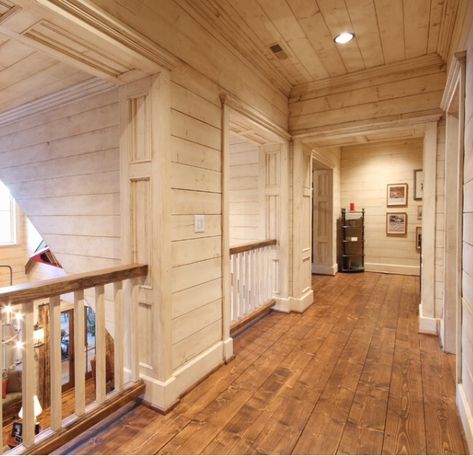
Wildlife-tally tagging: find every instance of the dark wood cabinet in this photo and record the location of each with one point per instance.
(352, 241)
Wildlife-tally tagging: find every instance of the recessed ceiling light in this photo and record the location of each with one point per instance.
(344, 37)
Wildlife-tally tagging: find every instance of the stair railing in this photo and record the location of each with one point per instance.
(252, 280)
(124, 282)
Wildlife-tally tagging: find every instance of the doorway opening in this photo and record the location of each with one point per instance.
(255, 219)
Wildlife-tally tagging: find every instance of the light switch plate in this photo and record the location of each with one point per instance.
(199, 223)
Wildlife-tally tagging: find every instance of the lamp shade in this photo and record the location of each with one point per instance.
(37, 408)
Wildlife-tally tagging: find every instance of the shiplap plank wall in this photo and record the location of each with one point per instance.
(197, 46)
(62, 168)
(390, 97)
(365, 172)
(467, 276)
(196, 189)
(246, 192)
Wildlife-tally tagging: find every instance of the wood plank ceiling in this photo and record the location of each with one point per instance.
(27, 74)
(386, 31)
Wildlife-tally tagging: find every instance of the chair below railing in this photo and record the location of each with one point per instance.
(252, 278)
(124, 282)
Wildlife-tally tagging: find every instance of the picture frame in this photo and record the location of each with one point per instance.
(17, 431)
(419, 212)
(418, 238)
(396, 223)
(397, 195)
(418, 184)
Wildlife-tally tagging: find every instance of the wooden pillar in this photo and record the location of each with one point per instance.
(302, 293)
(145, 226)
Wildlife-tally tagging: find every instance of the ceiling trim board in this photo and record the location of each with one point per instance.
(366, 127)
(108, 28)
(254, 116)
(452, 79)
(84, 89)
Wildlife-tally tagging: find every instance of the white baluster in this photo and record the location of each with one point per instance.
(268, 275)
(28, 376)
(254, 281)
(119, 331)
(257, 278)
(242, 287)
(134, 348)
(232, 278)
(248, 282)
(55, 361)
(236, 288)
(79, 352)
(100, 345)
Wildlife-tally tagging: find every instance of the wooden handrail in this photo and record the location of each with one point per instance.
(54, 287)
(253, 246)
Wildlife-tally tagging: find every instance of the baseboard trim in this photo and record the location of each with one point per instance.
(427, 325)
(392, 269)
(466, 416)
(299, 305)
(441, 333)
(163, 395)
(228, 349)
(324, 269)
(282, 305)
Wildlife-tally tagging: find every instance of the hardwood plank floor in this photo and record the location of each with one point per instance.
(351, 376)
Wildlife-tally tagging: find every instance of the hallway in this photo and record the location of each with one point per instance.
(350, 375)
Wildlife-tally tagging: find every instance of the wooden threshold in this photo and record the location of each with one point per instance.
(238, 326)
(74, 426)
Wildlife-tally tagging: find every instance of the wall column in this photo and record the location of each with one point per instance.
(145, 224)
(302, 294)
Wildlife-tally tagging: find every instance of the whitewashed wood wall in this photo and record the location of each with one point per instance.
(246, 192)
(196, 190)
(62, 168)
(466, 401)
(324, 105)
(212, 58)
(440, 222)
(365, 172)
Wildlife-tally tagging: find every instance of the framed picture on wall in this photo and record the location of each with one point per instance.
(397, 195)
(419, 212)
(396, 223)
(418, 238)
(418, 184)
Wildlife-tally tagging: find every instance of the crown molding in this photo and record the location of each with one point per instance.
(254, 116)
(433, 61)
(105, 26)
(7, 10)
(366, 127)
(453, 77)
(84, 89)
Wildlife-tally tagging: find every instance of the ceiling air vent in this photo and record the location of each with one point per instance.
(278, 51)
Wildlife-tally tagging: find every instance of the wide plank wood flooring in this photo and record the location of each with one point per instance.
(350, 375)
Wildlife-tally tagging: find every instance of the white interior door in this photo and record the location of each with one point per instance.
(322, 222)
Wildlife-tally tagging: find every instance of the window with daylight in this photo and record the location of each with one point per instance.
(7, 217)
